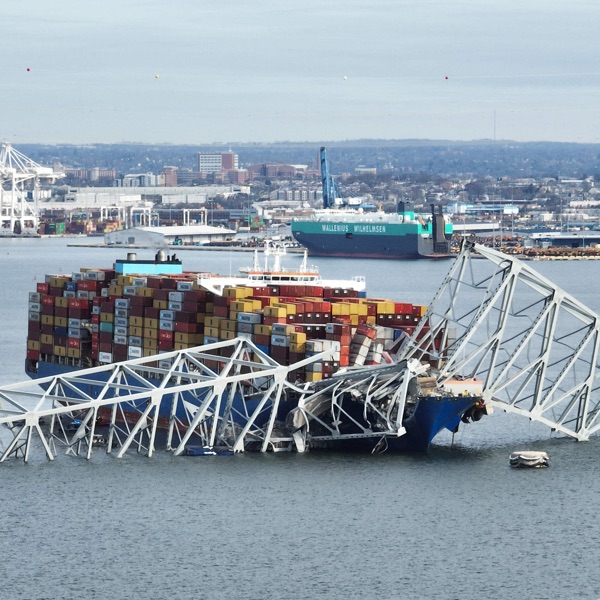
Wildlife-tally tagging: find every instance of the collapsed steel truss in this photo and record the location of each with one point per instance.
(226, 393)
(534, 346)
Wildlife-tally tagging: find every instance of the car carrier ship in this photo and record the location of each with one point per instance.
(145, 308)
(337, 230)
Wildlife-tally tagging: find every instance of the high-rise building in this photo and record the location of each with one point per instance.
(215, 162)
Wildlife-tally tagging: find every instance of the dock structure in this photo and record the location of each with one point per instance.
(535, 347)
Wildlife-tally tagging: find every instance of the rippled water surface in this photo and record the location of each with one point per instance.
(456, 523)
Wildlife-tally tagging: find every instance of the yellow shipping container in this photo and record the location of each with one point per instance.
(227, 335)
(229, 325)
(313, 376)
(193, 339)
(213, 321)
(212, 331)
(201, 318)
(298, 347)
(106, 317)
(35, 345)
(150, 333)
(151, 323)
(115, 290)
(297, 337)
(136, 321)
(260, 329)
(124, 280)
(60, 351)
(181, 345)
(275, 312)
(62, 302)
(61, 322)
(160, 304)
(241, 306)
(290, 309)
(47, 320)
(47, 338)
(136, 331)
(149, 352)
(237, 292)
(371, 320)
(74, 352)
(340, 309)
(150, 344)
(146, 292)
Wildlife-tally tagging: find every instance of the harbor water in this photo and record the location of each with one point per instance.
(455, 523)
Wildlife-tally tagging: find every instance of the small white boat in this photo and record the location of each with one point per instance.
(530, 459)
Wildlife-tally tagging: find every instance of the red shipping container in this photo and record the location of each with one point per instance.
(165, 335)
(47, 329)
(33, 354)
(136, 311)
(165, 345)
(42, 288)
(73, 343)
(193, 295)
(184, 327)
(46, 348)
(34, 328)
(150, 312)
(48, 301)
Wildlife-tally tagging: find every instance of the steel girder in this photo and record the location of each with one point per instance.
(221, 394)
(534, 346)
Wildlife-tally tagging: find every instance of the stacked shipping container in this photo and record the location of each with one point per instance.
(99, 316)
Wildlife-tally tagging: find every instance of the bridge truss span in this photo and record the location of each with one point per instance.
(225, 394)
(533, 345)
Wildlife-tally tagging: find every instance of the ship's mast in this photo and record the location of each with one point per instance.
(17, 214)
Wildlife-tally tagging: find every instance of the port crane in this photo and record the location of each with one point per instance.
(18, 215)
(330, 190)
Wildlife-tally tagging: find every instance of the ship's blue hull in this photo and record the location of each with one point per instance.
(430, 416)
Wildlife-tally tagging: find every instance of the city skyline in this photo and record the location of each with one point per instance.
(194, 72)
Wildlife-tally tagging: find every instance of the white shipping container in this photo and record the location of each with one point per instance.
(120, 330)
(121, 302)
(175, 306)
(121, 322)
(130, 290)
(35, 307)
(135, 340)
(246, 317)
(280, 340)
(105, 357)
(167, 315)
(134, 352)
(166, 325)
(35, 297)
(175, 297)
(120, 339)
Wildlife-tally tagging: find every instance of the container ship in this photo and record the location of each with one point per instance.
(342, 231)
(142, 308)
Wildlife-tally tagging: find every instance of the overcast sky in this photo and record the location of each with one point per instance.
(194, 71)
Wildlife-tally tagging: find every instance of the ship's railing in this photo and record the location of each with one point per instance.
(534, 345)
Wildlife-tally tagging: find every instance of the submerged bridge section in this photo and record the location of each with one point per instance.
(534, 346)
